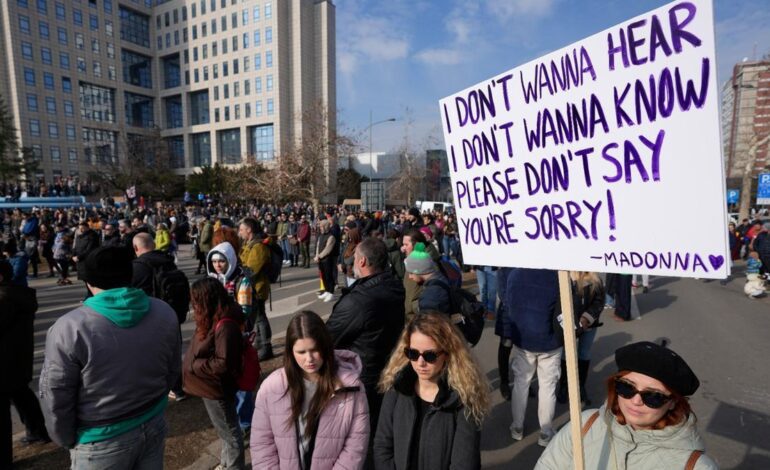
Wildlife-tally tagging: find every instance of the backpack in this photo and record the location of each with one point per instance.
(273, 268)
(171, 285)
(250, 368)
(468, 313)
(452, 271)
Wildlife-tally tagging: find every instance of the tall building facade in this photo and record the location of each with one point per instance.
(217, 80)
(746, 118)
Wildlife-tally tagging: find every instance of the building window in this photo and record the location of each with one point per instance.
(245, 40)
(64, 60)
(108, 6)
(258, 108)
(26, 50)
(216, 92)
(134, 27)
(77, 17)
(111, 73)
(97, 103)
(60, 12)
(82, 65)
(50, 105)
(69, 108)
(257, 39)
(257, 61)
(168, 40)
(66, 84)
(268, 10)
(108, 28)
(71, 136)
(229, 146)
(95, 47)
(55, 154)
(62, 35)
(216, 114)
(80, 43)
(110, 50)
(269, 83)
(245, 16)
(194, 11)
(42, 7)
(48, 81)
(247, 110)
(176, 151)
(199, 107)
(269, 59)
(93, 22)
(53, 130)
(139, 110)
(176, 37)
(173, 105)
(256, 13)
(268, 35)
(205, 72)
(171, 71)
(247, 87)
(45, 31)
(201, 149)
(246, 63)
(234, 20)
(24, 24)
(261, 142)
(32, 102)
(136, 68)
(99, 145)
(226, 91)
(45, 56)
(270, 107)
(235, 66)
(225, 69)
(97, 69)
(258, 85)
(72, 155)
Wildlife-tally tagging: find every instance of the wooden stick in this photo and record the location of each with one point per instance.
(570, 353)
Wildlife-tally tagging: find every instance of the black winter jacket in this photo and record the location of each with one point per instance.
(368, 320)
(84, 244)
(448, 439)
(144, 269)
(18, 305)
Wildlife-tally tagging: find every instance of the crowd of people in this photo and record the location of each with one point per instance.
(60, 187)
(388, 381)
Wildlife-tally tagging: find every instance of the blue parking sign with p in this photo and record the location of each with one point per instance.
(733, 196)
(763, 189)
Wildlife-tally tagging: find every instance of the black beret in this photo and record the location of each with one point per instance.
(659, 363)
(108, 267)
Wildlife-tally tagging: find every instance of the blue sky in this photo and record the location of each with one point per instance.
(394, 55)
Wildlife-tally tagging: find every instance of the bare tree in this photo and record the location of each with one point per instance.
(411, 181)
(755, 142)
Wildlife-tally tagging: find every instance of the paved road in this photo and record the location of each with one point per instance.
(722, 334)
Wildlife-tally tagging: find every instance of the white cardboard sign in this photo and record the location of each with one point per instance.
(602, 156)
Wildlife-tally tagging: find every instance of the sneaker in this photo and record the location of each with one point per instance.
(329, 297)
(177, 396)
(517, 434)
(544, 439)
(321, 294)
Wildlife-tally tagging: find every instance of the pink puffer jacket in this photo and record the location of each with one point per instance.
(343, 430)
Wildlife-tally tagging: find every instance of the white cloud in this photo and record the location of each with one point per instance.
(507, 9)
(439, 56)
(365, 39)
(742, 35)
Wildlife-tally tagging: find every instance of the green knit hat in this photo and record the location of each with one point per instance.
(419, 261)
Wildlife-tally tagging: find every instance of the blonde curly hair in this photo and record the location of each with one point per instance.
(464, 375)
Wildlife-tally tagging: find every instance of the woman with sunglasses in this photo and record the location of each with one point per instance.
(646, 423)
(312, 413)
(435, 400)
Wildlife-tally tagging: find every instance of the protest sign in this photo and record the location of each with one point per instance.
(602, 156)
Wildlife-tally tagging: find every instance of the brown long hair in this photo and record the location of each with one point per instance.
(354, 238)
(308, 325)
(678, 414)
(226, 234)
(210, 302)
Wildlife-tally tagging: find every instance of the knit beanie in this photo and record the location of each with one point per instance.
(419, 261)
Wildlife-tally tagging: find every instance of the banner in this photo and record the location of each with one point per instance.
(602, 156)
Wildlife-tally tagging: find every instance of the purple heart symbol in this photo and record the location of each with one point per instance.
(716, 261)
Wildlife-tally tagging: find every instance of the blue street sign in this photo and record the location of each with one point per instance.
(733, 196)
(763, 189)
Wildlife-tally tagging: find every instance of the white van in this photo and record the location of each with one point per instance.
(430, 206)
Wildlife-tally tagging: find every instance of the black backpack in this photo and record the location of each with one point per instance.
(273, 268)
(470, 309)
(171, 285)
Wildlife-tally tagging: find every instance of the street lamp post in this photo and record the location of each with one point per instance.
(371, 125)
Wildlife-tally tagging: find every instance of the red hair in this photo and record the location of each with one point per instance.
(678, 414)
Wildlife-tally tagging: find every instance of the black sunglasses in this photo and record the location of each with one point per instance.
(651, 399)
(429, 356)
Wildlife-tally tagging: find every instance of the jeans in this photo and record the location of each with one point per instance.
(140, 449)
(584, 344)
(487, 280)
(285, 246)
(548, 367)
(225, 420)
(244, 406)
(450, 246)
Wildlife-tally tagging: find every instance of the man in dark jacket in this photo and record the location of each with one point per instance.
(17, 314)
(110, 236)
(369, 317)
(532, 300)
(147, 261)
(86, 242)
